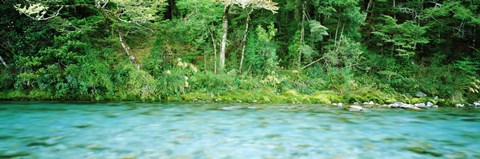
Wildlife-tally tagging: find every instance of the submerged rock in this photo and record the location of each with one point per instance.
(355, 108)
(14, 155)
(231, 108)
(414, 108)
(420, 150)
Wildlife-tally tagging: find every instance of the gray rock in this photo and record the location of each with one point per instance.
(338, 104)
(476, 104)
(355, 108)
(429, 104)
(395, 105)
(434, 106)
(460, 105)
(369, 103)
(406, 106)
(420, 94)
(420, 105)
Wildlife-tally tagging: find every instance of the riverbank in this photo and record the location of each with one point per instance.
(366, 100)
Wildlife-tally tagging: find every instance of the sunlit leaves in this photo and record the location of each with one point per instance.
(37, 11)
(256, 4)
(317, 30)
(137, 11)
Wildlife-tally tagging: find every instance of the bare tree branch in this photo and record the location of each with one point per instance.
(125, 47)
(3, 61)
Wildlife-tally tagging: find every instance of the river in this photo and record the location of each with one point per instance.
(197, 131)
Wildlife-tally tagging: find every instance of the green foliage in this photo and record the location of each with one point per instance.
(317, 31)
(261, 54)
(315, 51)
(401, 39)
(345, 54)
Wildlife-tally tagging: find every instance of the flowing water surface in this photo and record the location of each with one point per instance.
(140, 130)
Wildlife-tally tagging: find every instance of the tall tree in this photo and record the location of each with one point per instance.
(250, 4)
(253, 5)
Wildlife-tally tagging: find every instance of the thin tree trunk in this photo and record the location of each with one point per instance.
(214, 52)
(244, 40)
(249, 68)
(394, 5)
(336, 33)
(205, 61)
(223, 46)
(125, 47)
(369, 6)
(302, 35)
(3, 61)
(297, 10)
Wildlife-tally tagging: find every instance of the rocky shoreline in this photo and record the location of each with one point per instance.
(401, 105)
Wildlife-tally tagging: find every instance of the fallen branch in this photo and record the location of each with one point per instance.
(312, 63)
(125, 47)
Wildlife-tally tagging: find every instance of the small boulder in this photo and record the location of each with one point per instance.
(395, 105)
(369, 103)
(459, 105)
(420, 105)
(429, 104)
(355, 108)
(338, 104)
(476, 104)
(406, 106)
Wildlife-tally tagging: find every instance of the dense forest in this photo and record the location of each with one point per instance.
(280, 51)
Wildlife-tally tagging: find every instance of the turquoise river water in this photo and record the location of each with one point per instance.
(204, 131)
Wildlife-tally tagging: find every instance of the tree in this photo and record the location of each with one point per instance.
(245, 4)
(402, 38)
(253, 5)
(131, 14)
